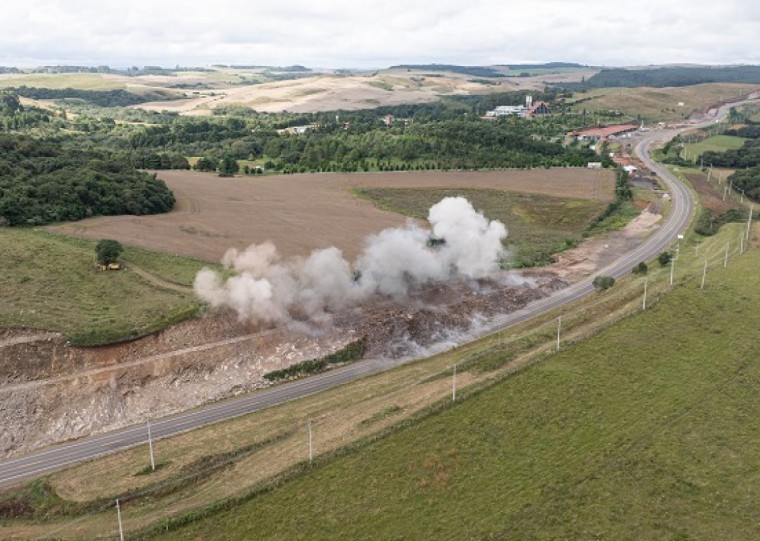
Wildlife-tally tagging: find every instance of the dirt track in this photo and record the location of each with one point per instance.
(300, 213)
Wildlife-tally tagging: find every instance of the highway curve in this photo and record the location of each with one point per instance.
(54, 458)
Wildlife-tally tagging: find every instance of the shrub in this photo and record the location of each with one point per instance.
(603, 282)
(641, 268)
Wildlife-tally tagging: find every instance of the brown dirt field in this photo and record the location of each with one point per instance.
(711, 194)
(300, 213)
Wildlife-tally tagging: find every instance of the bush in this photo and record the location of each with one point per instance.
(603, 282)
(664, 259)
(640, 269)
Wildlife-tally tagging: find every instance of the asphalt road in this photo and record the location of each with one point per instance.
(54, 458)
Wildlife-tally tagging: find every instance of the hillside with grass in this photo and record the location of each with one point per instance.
(645, 431)
(50, 282)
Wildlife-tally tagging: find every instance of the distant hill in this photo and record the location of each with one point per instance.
(478, 71)
(669, 76)
(548, 65)
(487, 71)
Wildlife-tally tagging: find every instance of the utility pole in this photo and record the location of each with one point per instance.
(311, 448)
(454, 385)
(704, 275)
(672, 269)
(725, 191)
(749, 221)
(118, 516)
(559, 328)
(644, 302)
(150, 446)
(725, 259)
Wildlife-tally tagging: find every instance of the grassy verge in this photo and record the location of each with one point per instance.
(644, 431)
(49, 282)
(540, 225)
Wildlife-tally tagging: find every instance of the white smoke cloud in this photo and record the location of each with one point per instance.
(394, 261)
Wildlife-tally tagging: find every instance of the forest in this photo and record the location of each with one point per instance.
(41, 183)
(668, 76)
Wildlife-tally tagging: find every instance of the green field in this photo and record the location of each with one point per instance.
(538, 225)
(716, 143)
(49, 282)
(646, 431)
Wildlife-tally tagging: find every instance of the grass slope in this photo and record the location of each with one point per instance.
(716, 143)
(49, 282)
(658, 104)
(538, 225)
(645, 431)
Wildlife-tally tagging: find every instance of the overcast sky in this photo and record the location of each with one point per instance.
(367, 34)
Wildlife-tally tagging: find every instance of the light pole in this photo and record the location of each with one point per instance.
(150, 447)
(644, 302)
(454, 384)
(704, 275)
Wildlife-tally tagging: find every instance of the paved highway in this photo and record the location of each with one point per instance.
(54, 458)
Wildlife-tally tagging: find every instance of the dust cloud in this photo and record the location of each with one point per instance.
(267, 289)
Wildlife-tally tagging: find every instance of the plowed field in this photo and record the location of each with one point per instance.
(302, 212)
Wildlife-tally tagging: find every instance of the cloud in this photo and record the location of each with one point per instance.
(342, 33)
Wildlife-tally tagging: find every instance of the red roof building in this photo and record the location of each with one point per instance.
(607, 131)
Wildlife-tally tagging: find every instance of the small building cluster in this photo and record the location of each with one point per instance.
(530, 109)
(388, 120)
(298, 130)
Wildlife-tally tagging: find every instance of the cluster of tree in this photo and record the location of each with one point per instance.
(668, 76)
(40, 182)
(749, 131)
(14, 116)
(101, 98)
(708, 224)
(748, 181)
(146, 159)
(227, 166)
(181, 132)
(746, 156)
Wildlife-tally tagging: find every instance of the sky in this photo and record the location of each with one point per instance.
(377, 34)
